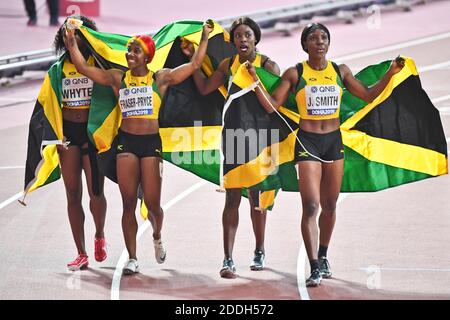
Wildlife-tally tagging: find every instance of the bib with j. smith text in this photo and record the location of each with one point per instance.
(76, 92)
(322, 100)
(136, 101)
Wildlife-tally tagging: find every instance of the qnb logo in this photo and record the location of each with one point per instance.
(327, 89)
(126, 92)
(67, 82)
(138, 90)
(80, 80)
(313, 89)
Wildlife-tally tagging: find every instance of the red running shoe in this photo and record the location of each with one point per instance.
(100, 249)
(80, 263)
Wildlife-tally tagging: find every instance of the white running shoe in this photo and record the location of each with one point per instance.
(131, 267)
(160, 251)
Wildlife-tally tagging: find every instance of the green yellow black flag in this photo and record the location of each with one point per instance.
(396, 139)
(45, 132)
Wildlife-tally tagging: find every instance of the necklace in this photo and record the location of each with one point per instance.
(321, 68)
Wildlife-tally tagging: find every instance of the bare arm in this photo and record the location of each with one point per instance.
(207, 85)
(280, 94)
(104, 77)
(271, 66)
(168, 77)
(368, 94)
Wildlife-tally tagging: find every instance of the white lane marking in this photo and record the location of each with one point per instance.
(444, 111)
(115, 285)
(12, 167)
(407, 269)
(11, 200)
(394, 47)
(440, 99)
(301, 279)
(301, 261)
(435, 66)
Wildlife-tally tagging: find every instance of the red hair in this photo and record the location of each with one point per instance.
(146, 43)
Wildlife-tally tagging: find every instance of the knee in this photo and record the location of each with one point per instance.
(73, 197)
(154, 208)
(96, 200)
(328, 207)
(233, 199)
(129, 205)
(310, 208)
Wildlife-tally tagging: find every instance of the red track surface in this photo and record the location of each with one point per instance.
(400, 234)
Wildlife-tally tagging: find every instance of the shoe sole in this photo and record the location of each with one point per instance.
(161, 261)
(77, 268)
(101, 260)
(227, 274)
(312, 284)
(128, 272)
(256, 268)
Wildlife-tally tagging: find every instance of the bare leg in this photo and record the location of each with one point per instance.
(230, 220)
(329, 192)
(71, 172)
(151, 185)
(97, 204)
(258, 220)
(310, 173)
(128, 179)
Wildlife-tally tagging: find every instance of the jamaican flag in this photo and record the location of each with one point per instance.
(45, 132)
(396, 139)
(188, 122)
(255, 143)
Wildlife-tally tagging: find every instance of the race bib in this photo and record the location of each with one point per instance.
(76, 92)
(136, 101)
(322, 100)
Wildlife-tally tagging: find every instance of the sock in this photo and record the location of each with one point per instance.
(314, 264)
(322, 251)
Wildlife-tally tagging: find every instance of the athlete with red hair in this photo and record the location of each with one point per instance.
(139, 149)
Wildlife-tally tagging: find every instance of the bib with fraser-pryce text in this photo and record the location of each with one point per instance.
(136, 101)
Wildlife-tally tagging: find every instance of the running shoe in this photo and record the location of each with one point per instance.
(258, 260)
(314, 279)
(324, 265)
(131, 267)
(100, 249)
(160, 251)
(228, 270)
(80, 263)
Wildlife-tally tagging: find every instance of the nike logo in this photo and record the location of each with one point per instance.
(329, 78)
